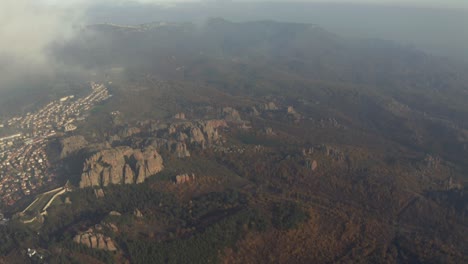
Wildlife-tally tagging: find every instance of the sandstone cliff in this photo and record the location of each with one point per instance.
(121, 165)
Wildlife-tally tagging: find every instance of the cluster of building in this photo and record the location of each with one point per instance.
(59, 114)
(23, 160)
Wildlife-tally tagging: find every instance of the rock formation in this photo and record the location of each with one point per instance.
(180, 149)
(183, 178)
(137, 213)
(179, 116)
(270, 106)
(180, 137)
(99, 193)
(114, 213)
(197, 136)
(71, 144)
(432, 162)
(269, 131)
(314, 165)
(292, 112)
(231, 114)
(328, 123)
(254, 111)
(112, 227)
(452, 185)
(176, 137)
(129, 131)
(95, 240)
(121, 165)
(210, 130)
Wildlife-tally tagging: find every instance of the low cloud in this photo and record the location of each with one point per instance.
(27, 31)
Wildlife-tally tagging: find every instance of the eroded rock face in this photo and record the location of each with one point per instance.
(121, 165)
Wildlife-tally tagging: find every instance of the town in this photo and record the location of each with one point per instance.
(24, 165)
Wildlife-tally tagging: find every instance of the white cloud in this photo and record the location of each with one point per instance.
(27, 29)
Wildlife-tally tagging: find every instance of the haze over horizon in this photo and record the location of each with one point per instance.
(441, 31)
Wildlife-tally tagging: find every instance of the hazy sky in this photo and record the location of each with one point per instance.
(419, 3)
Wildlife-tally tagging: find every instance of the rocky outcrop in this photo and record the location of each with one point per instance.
(114, 213)
(99, 193)
(111, 226)
(293, 113)
(329, 123)
(312, 164)
(129, 131)
(177, 137)
(179, 116)
(210, 129)
(121, 165)
(230, 114)
(95, 240)
(72, 144)
(137, 213)
(269, 131)
(452, 185)
(254, 111)
(180, 137)
(184, 178)
(197, 136)
(328, 151)
(432, 162)
(270, 106)
(180, 150)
